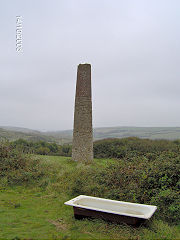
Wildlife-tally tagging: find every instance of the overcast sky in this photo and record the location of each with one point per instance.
(132, 45)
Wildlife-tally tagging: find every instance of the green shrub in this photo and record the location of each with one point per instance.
(17, 167)
(42, 148)
(132, 146)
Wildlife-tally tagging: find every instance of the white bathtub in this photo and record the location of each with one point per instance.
(118, 211)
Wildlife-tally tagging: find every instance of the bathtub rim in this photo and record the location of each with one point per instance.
(151, 208)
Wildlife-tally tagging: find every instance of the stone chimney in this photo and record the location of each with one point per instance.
(82, 148)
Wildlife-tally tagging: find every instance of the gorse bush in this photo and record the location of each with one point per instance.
(17, 167)
(119, 148)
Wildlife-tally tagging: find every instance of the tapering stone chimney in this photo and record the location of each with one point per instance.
(82, 148)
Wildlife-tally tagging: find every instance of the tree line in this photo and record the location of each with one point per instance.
(106, 148)
(42, 148)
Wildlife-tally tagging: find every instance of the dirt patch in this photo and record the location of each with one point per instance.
(58, 224)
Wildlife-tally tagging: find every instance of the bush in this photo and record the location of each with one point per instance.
(42, 148)
(17, 167)
(132, 146)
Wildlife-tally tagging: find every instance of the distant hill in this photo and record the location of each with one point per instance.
(61, 137)
(13, 133)
(170, 133)
(20, 129)
(61, 134)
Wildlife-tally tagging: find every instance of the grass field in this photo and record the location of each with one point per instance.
(38, 212)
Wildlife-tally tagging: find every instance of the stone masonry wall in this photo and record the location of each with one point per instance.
(82, 149)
